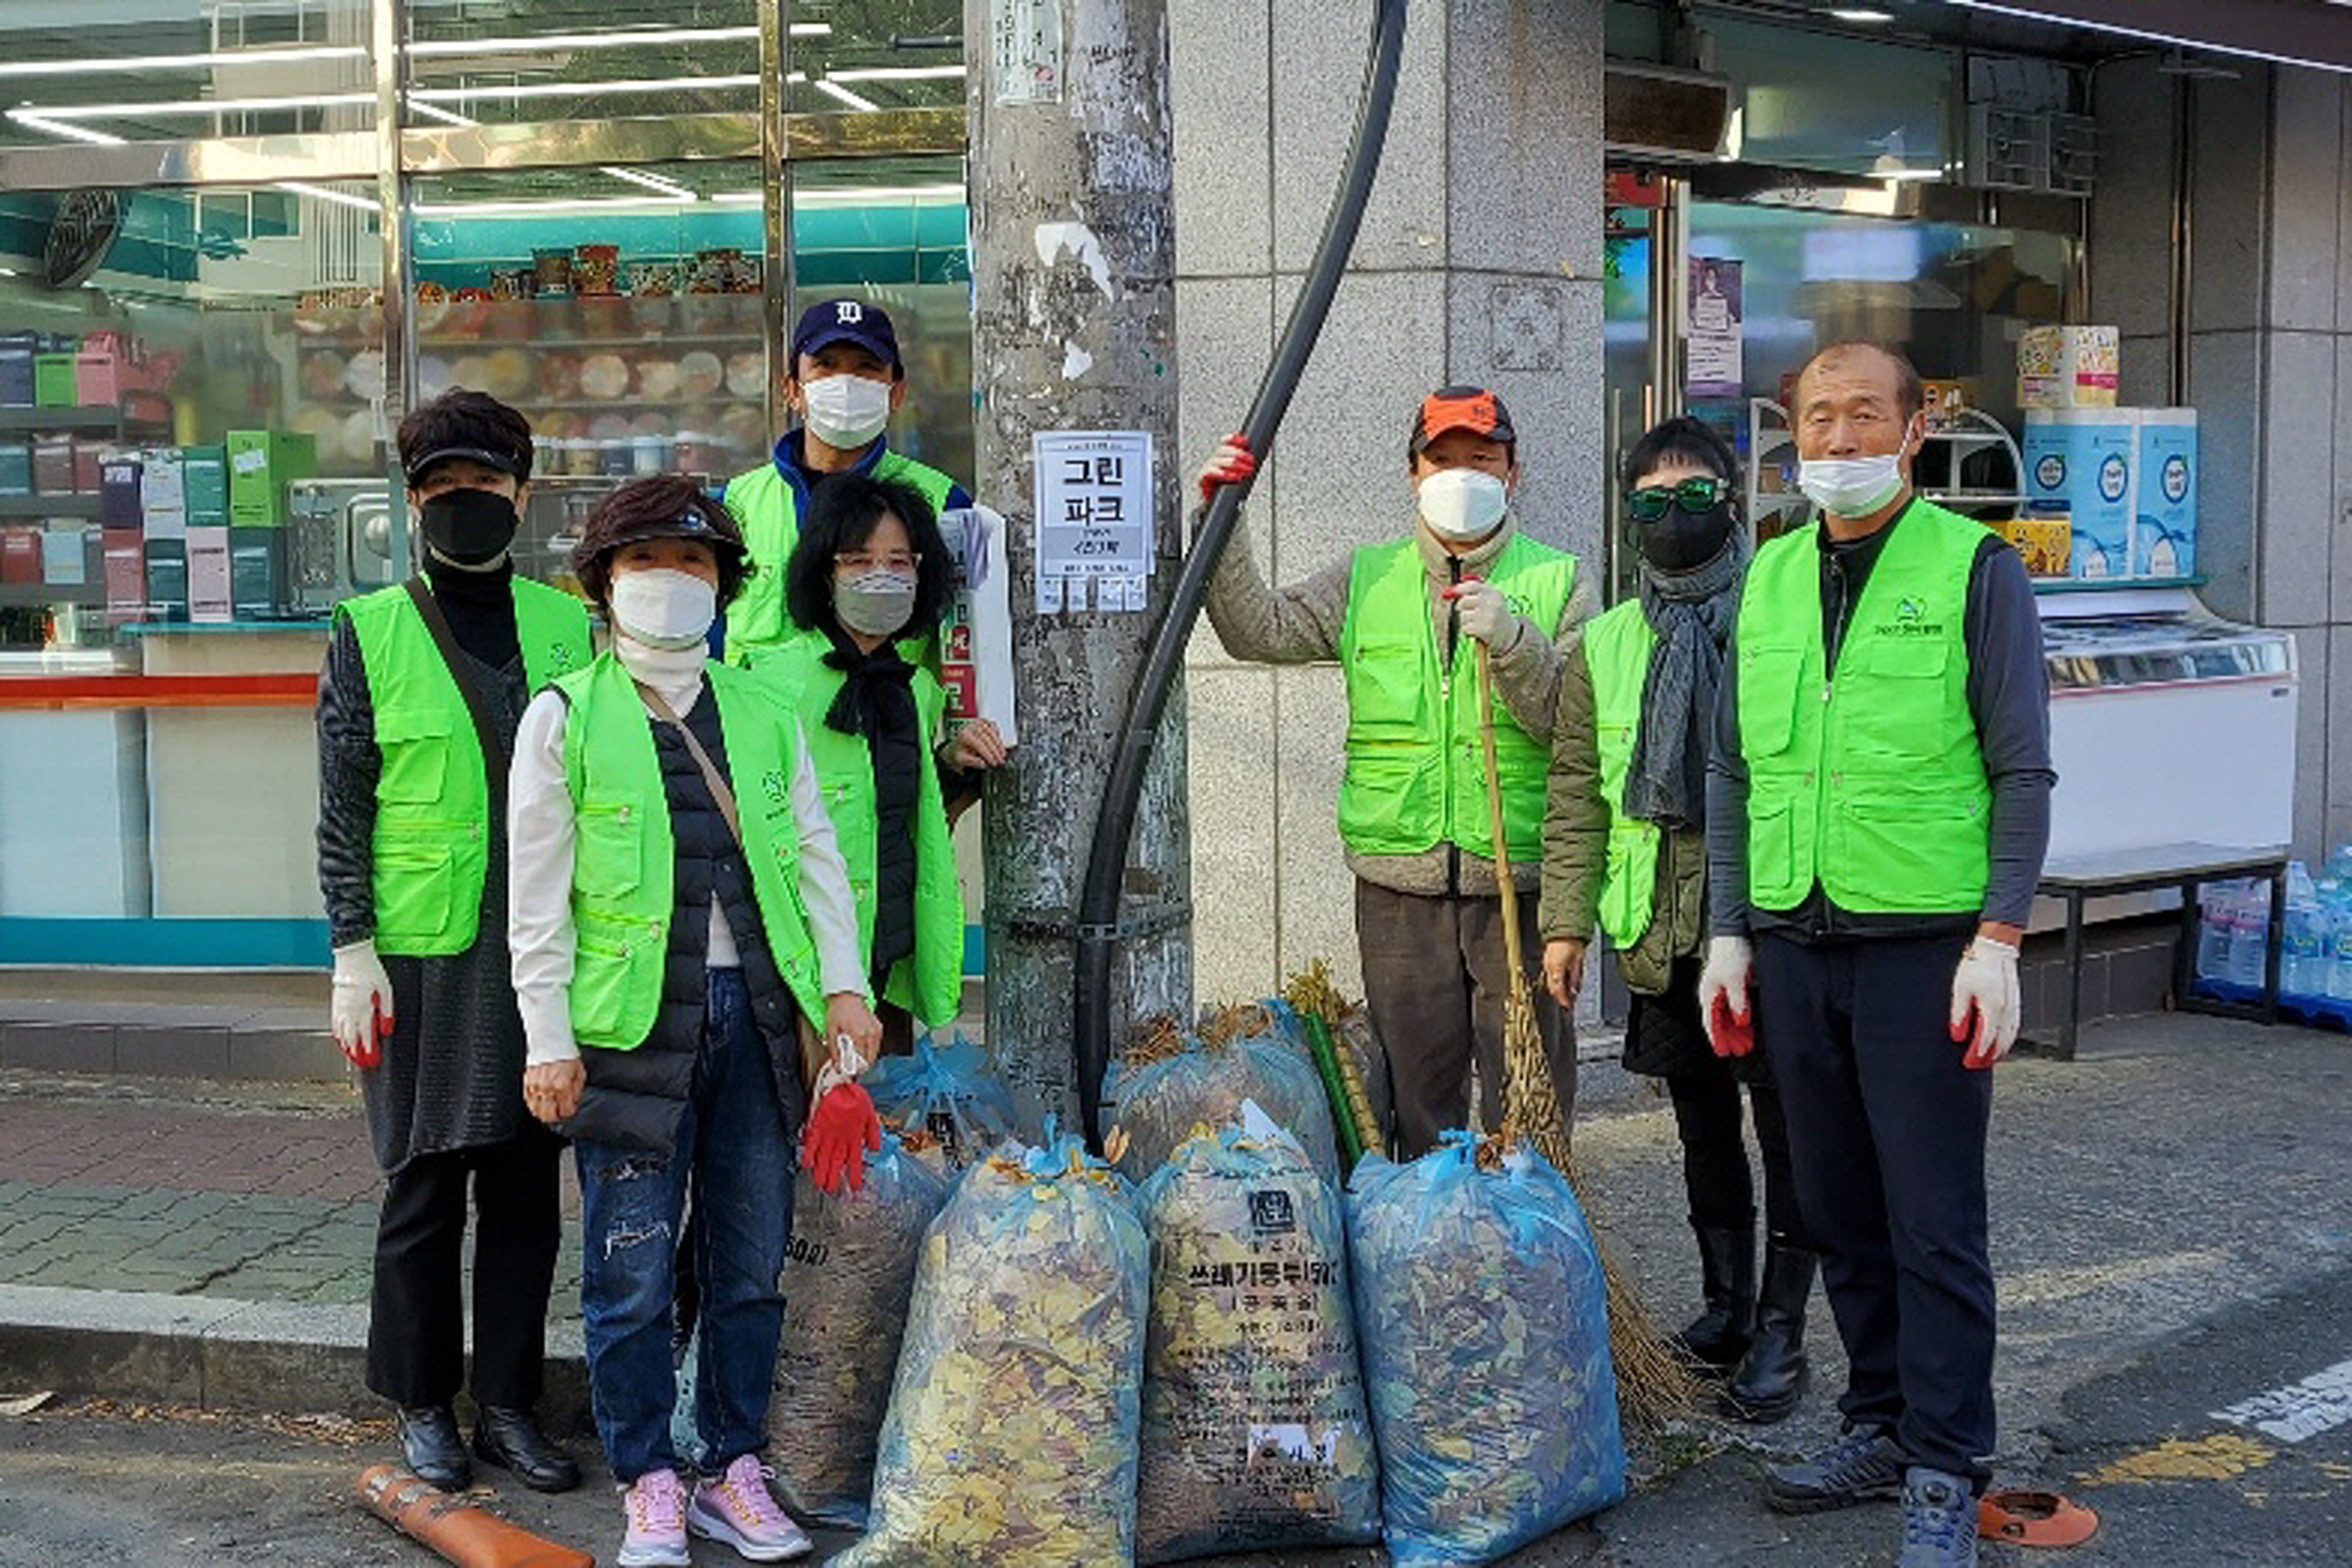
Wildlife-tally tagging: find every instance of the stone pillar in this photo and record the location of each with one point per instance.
(1480, 261)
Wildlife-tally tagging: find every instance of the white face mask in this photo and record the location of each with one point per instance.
(1852, 487)
(661, 607)
(847, 411)
(876, 603)
(1463, 505)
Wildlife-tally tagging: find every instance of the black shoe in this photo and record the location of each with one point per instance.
(512, 1441)
(434, 1451)
(1862, 1466)
(1719, 1337)
(1771, 1377)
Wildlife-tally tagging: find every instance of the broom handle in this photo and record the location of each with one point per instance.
(1504, 881)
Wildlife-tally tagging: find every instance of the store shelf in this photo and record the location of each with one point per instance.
(2112, 585)
(548, 340)
(34, 507)
(1973, 498)
(21, 594)
(89, 416)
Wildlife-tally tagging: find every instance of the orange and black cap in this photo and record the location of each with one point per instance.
(1462, 408)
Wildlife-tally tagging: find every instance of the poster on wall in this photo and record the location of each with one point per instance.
(1714, 366)
(1093, 519)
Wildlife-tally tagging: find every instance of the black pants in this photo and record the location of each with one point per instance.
(416, 1325)
(1434, 979)
(1886, 1128)
(1715, 1174)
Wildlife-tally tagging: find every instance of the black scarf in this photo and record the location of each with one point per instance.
(1692, 612)
(876, 699)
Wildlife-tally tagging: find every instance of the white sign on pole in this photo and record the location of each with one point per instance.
(1093, 516)
(1024, 51)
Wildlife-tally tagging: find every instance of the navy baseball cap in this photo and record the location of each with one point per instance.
(845, 320)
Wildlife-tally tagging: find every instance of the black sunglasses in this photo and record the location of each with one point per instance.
(1648, 504)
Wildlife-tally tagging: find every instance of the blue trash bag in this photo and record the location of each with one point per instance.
(1161, 1102)
(1486, 1333)
(947, 1092)
(1011, 1441)
(847, 1277)
(1255, 1433)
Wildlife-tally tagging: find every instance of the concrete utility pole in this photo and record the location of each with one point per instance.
(1073, 270)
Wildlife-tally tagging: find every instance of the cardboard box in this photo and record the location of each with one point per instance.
(166, 563)
(53, 380)
(65, 556)
(205, 485)
(2081, 459)
(256, 572)
(261, 465)
(163, 494)
(16, 369)
(2067, 367)
(21, 554)
(52, 466)
(16, 466)
(209, 601)
(97, 377)
(123, 564)
(2042, 538)
(119, 493)
(89, 459)
(2164, 509)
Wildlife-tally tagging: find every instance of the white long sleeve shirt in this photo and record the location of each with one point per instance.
(540, 849)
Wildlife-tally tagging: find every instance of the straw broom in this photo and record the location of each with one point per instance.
(1653, 1386)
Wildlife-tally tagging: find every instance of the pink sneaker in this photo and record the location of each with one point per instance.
(739, 1509)
(657, 1537)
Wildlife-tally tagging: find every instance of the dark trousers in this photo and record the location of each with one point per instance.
(1434, 979)
(1715, 1174)
(1886, 1129)
(416, 1320)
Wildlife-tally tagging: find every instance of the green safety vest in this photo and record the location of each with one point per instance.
(625, 861)
(1617, 649)
(1415, 774)
(1868, 779)
(432, 796)
(929, 984)
(769, 511)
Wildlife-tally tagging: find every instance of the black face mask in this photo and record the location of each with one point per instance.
(471, 528)
(1682, 541)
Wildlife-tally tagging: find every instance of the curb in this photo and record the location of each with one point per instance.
(212, 1354)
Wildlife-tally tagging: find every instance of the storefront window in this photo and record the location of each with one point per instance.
(573, 60)
(1851, 106)
(876, 56)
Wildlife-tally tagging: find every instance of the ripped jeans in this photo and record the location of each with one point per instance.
(732, 1143)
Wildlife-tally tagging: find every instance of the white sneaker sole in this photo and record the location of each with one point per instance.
(711, 1526)
(654, 1557)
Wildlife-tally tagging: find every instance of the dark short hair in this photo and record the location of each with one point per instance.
(462, 418)
(650, 508)
(1682, 439)
(1910, 393)
(842, 514)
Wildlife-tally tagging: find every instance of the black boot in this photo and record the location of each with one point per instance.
(1771, 1377)
(1718, 1337)
(512, 1441)
(434, 1451)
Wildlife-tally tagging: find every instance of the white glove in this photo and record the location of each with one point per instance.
(1985, 986)
(1723, 996)
(361, 1013)
(1486, 614)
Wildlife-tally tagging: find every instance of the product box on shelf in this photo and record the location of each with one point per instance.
(17, 350)
(2067, 367)
(52, 466)
(163, 493)
(16, 466)
(89, 463)
(1944, 402)
(166, 562)
(2083, 459)
(119, 493)
(21, 553)
(261, 465)
(209, 601)
(2043, 538)
(97, 376)
(2164, 511)
(122, 556)
(204, 479)
(65, 556)
(53, 380)
(256, 572)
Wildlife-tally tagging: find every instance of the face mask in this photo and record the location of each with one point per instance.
(471, 528)
(1852, 487)
(1682, 541)
(876, 603)
(847, 411)
(1463, 505)
(661, 607)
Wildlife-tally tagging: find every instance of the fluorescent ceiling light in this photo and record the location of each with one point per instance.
(1870, 15)
(834, 89)
(58, 128)
(341, 198)
(230, 57)
(654, 182)
(2069, 19)
(195, 106)
(547, 207)
(576, 89)
(898, 73)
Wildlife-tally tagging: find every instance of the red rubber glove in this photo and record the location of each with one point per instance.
(1734, 1033)
(841, 1133)
(1233, 465)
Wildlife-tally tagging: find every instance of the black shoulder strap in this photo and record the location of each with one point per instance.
(461, 670)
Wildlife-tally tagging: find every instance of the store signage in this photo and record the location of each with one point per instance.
(1024, 51)
(1093, 518)
(1716, 362)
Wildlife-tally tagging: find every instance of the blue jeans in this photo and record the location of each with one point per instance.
(733, 1143)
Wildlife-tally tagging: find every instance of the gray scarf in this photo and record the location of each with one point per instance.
(1690, 612)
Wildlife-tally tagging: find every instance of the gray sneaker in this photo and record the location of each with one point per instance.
(1940, 1521)
(1863, 1466)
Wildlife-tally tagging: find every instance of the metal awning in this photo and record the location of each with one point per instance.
(2308, 32)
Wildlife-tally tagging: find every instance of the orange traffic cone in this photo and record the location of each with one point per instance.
(464, 1532)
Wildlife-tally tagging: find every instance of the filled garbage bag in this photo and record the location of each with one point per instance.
(1160, 1092)
(949, 1091)
(847, 1277)
(1255, 1433)
(1011, 1441)
(1480, 1302)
